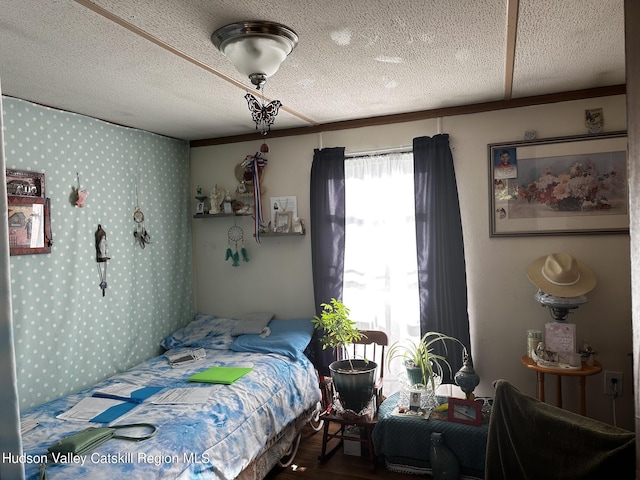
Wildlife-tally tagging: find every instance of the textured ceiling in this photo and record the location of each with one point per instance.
(150, 64)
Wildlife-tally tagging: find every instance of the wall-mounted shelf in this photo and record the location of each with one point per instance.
(280, 234)
(219, 215)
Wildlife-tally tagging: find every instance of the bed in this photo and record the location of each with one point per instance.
(242, 429)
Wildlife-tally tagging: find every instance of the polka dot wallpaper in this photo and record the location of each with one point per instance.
(67, 335)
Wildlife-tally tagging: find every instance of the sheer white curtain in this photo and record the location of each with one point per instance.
(380, 265)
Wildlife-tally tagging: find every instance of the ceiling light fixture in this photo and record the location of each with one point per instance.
(257, 48)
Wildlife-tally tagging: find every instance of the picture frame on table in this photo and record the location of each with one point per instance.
(559, 186)
(464, 411)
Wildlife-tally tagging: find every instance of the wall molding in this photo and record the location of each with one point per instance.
(421, 115)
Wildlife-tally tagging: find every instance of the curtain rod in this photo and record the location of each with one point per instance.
(400, 149)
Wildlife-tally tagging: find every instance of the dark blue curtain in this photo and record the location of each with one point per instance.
(327, 237)
(441, 266)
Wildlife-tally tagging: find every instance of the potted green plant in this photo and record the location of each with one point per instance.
(422, 364)
(353, 378)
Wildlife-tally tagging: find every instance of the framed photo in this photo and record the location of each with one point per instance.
(414, 400)
(199, 208)
(464, 411)
(283, 222)
(24, 183)
(283, 204)
(29, 225)
(559, 186)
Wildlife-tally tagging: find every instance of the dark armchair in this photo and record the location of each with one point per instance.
(531, 440)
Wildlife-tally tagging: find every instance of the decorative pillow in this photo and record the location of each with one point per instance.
(206, 331)
(288, 337)
(252, 323)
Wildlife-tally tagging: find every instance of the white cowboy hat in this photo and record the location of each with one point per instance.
(561, 275)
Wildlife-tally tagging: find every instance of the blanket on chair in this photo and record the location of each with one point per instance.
(531, 440)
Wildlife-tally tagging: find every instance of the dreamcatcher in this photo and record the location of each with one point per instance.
(236, 235)
(263, 114)
(140, 233)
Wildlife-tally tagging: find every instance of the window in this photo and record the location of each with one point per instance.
(380, 266)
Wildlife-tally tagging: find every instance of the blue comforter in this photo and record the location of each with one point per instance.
(215, 440)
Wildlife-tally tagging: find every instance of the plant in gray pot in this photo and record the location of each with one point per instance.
(353, 378)
(422, 364)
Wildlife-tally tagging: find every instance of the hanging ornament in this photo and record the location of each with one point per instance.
(140, 233)
(254, 165)
(236, 235)
(101, 257)
(79, 194)
(263, 115)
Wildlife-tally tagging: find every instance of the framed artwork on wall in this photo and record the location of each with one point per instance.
(29, 226)
(29, 213)
(25, 183)
(559, 186)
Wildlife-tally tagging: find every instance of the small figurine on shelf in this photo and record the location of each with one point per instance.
(298, 225)
(217, 197)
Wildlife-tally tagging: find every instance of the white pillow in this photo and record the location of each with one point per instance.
(252, 323)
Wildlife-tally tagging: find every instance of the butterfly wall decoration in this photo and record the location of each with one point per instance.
(263, 114)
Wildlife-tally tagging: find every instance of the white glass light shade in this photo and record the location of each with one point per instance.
(256, 54)
(256, 48)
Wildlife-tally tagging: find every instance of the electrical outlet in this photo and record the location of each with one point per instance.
(611, 379)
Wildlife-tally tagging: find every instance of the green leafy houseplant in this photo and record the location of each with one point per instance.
(339, 330)
(353, 379)
(419, 354)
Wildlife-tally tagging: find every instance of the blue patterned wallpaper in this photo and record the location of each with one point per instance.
(67, 335)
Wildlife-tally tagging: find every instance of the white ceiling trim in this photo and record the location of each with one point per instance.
(510, 54)
(147, 36)
(151, 65)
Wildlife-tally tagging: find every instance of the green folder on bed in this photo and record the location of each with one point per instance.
(225, 375)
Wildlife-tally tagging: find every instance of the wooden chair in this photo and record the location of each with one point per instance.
(372, 347)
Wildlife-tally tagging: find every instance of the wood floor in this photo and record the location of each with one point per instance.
(338, 467)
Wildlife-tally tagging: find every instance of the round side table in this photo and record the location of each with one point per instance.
(583, 373)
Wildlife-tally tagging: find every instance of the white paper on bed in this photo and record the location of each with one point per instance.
(190, 396)
(26, 425)
(88, 408)
(121, 390)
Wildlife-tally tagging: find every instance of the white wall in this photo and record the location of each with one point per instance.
(501, 306)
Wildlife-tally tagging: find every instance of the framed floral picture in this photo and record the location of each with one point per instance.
(559, 186)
